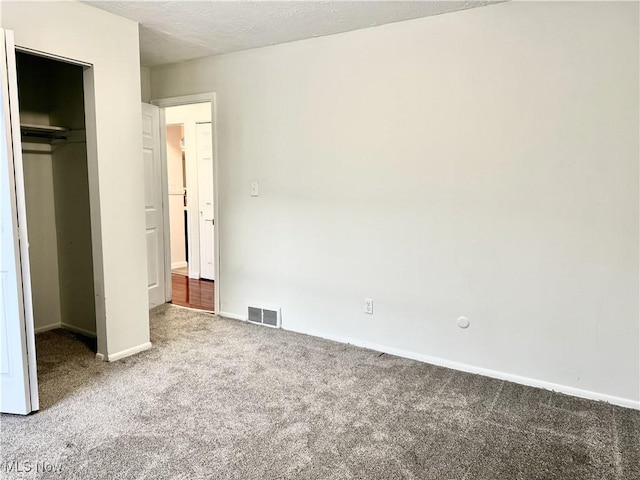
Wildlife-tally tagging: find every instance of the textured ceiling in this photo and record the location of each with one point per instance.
(175, 31)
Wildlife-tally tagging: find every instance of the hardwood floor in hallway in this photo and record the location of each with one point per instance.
(193, 293)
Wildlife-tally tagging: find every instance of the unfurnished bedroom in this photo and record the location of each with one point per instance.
(329, 240)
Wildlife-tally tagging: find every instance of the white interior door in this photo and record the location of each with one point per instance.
(204, 145)
(18, 376)
(153, 203)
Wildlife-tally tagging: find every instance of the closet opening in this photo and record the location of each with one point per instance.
(58, 211)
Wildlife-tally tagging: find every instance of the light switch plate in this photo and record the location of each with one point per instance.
(368, 306)
(255, 190)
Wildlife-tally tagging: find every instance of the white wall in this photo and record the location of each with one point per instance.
(73, 225)
(145, 84)
(189, 115)
(481, 163)
(43, 244)
(110, 44)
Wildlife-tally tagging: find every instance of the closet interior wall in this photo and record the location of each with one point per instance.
(57, 194)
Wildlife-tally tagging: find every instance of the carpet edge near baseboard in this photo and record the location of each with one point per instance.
(486, 372)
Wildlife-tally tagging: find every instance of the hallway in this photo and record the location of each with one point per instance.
(192, 293)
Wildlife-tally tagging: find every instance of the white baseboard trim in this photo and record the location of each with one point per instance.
(128, 352)
(66, 326)
(179, 265)
(531, 382)
(46, 328)
(81, 331)
(199, 310)
(232, 316)
(100, 357)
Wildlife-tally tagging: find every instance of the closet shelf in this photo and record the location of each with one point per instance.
(51, 134)
(44, 131)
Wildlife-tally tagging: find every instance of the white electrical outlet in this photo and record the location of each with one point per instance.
(368, 305)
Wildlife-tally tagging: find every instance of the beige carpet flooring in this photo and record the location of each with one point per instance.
(223, 399)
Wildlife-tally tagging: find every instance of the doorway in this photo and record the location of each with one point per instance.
(55, 210)
(56, 180)
(189, 155)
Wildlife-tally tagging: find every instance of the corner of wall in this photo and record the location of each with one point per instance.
(145, 84)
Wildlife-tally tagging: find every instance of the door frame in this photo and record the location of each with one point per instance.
(20, 228)
(162, 103)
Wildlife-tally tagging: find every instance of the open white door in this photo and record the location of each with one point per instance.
(204, 148)
(152, 159)
(19, 381)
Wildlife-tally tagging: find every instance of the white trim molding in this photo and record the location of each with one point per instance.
(65, 326)
(81, 331)
(162, 103)
(126, 353)
(46, 328)
(199, 310)
(232, 316)
(184, 100)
